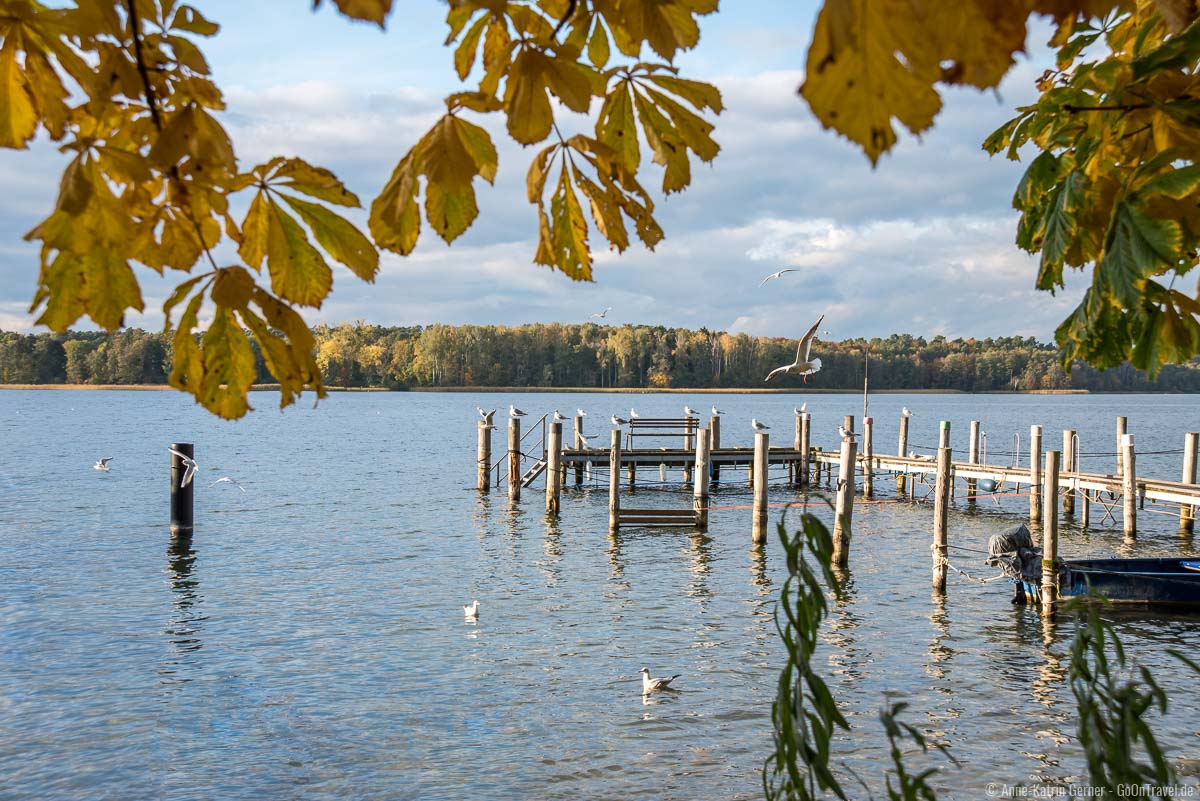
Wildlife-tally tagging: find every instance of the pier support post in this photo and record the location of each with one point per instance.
(700, 490)
(848, 422)
(868, 454)
(1122, 430)
(1129, 486)
(797, 442)
(714, 442)
(1035, 474)
(514, 458)
(1069, 465)
(580, 445)
(973, 458)
(944, 434)
(941, 518)
(554, 476)
(689, 443)
(1085, 509)
(1187, 512)
(844, 507)
(483, 453)
(805, 448)
(902, 451)
(632, 473)
(614, 482)
(761, 446)
(182, 520)
(1050, 536)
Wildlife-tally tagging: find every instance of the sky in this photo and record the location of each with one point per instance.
(922, 244)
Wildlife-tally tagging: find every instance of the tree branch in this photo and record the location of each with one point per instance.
(570, 13)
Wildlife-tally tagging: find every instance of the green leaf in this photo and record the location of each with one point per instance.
(298, 273)
(340, 239)
(1177, 184)
(1137, 247)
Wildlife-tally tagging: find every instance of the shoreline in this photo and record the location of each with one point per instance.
(615, 390)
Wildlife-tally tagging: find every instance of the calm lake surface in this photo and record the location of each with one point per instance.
(311, 643)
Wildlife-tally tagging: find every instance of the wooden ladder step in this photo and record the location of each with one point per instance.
(533, 472)
(657, 517)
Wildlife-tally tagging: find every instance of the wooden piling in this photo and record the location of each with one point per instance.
(944, 434)
(848, 422)
(614, 482)
(868, 453)
(1035, 474)
(761, 445)
(514, 458)
(1069, 465)
(1122, 430)
(941, 518)
(797, 445)
(805, 447)
(1049, 594)
(1129, 486)
(632, 473)
(700, 489)
(689, 443)
(972, 457)
(902, 451)
(1187, 512)
(580, 445)
(844, 507)
(483, 454)
(554, 469)
(182, 519)
(714, 442)
(1085, 509)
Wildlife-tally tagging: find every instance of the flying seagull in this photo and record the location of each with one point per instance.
(649, 685)
(905, 412)
(471, 612)
(777, 274)
(844, 434)
(585, 437)
(189, 465)
(757, 426)
(802, 365)
(487, 416)
(717, 411)
(227, 480)
(690, 412)
(618, 421)
(513, 411)
(581, 412)
(103, 464)
(603, 314)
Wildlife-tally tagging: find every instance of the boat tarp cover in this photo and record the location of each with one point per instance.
(1012, 551)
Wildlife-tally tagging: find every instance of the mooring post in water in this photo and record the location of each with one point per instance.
(1085, 509)
(1122, 430)
(614, 482)
(181, 496)
(972, 457)
(848, 423)
(1187, 512)
(761, 448)
(580, 445)
(944, 434)
(514, 458)
(1050, 535)
(714, 442)
(868, 454)
(1068, 466)
(483, 454)
(902, 451)
(553, 469)
(941, 518)
(805, 447)
(689, 444)
(843, 512)
(1129, 486)
(700, 490)
(1035, 474)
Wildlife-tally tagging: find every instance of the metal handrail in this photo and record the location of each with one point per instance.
(504, 458)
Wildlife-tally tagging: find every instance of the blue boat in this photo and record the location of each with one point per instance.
(1133, 581)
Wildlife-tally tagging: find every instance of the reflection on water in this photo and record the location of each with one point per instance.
(187, 618)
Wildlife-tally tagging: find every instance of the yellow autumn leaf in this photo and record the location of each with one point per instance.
(232, 287)
(18, 121)
(617, 128)
(189, 19)
(65, 292)
(187, 368)
(535, 179)
(693, 129)
(49, 95)
(449, 209)
(228, 367)
(597, 48)
(699, 94)
(570, 82)
(526, 104)
(256, 229)
(298, 273)
(464, 54)
(111, 288)
(340, 239)
(606, 213)
(571, 252)
(478, 144)
(395, 221)
(370, 10)
(669, 149)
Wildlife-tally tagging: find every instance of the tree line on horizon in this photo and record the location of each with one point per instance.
(597, 357)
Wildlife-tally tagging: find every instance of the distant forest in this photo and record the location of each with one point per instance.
(594, 356)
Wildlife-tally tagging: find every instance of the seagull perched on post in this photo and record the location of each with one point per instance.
(905, 412)
(618, 421)
(802, 365)
(846, 435)
(487, 416)
(649, 685)
(777, 274)
(801, 409)
(103, 464)
(603, 314)
(189, 465)
(688, 411)
(513, 411)
(717, 411)
(581, 412)
(227, 480)
(757, 426)
(558, 418)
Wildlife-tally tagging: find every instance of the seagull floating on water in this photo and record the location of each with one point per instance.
(102, 464)
(618, 421)
(803, 366)
(690, 412)
(649, 685)
(757, 426)
(717, 411)
(602, 314)
(905, 412)
(189, 467)
(844, 434)
(513, 411)
(777, 274)
(227, 480)
(471, 611)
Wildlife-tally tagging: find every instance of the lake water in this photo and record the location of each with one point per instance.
(311, 643)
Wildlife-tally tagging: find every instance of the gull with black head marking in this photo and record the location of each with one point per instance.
(650, 685)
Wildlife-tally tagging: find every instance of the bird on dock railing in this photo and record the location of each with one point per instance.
(103, 464)
(757, 426)
(581, 412)
(513, 411)
(633, 415)
(650, 685)
(471, 612)
(846, 435)
(905, 412)
(558, 418)
(618, 421)
(189, 468)
(802, 366)
(717, 411)
(688, 411)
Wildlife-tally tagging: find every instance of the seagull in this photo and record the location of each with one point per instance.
(649, 685)
(487, 416)
(717, 411)
(190, 468)
(803, 408)
(633, 415)
(618, 421)
(513, 411)
(471, 611)
(603, 314)
(757, 426)
(581, 412)
(905, 412)
(802, 366)
(777, 274)
(585, 438)
(558, 418)
(690, 412)
(102, 464)
(846, 435)
(227, 480)
(915, 455)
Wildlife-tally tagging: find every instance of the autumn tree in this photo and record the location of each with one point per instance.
(124, 88)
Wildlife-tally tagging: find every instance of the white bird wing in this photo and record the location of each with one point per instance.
(777, 370)
(105, 460)
(804, 346)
